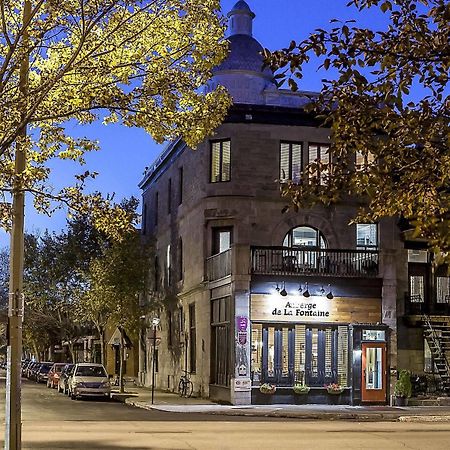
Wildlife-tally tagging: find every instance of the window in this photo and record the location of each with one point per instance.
(168, 265)
(416, 288)
(366, 236)
(180, 259)
(304, 237)
(443, 289)
(222, 239)
(180, 185)
(169, 196)
(220, 341)
(192, 340)
(290, 161)
(144, 219)
(156, 208)
(417, 256)
(220, 161)
(363, 160)
(319, 155)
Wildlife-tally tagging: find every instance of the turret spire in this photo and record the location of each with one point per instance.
(241, 19)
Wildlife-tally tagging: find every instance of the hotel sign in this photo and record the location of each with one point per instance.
(274, 308)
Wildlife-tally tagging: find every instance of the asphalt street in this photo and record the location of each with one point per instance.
(52, 421)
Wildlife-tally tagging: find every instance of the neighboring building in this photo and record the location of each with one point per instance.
(254, 296)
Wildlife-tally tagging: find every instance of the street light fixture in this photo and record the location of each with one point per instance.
(155, 323)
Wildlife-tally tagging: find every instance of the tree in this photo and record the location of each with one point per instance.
(140, 63)
(389, 106)
(117, 279)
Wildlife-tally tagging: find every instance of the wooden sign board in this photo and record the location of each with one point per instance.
(315, 309)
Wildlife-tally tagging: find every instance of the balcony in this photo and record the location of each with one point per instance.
(316, 262)
(218, 266)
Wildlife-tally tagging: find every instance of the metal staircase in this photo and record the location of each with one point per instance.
(437, 334)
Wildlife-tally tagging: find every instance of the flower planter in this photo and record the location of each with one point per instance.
(267, 389)
(301, 390)
(335, 391)
(401, 401)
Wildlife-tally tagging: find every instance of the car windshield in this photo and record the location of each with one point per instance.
(90, 371)
(45, 367)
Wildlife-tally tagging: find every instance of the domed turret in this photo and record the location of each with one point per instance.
(242, 71)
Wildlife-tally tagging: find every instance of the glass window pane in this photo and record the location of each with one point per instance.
(418, 256)
(366, 235)
(215, 162)
(226, 160)
(299, 356)
(443, 289)
(342, 356)
(296, 169)
(224, 241)
(257, 346)
(271, 352)
(284, 162)
(374, 368)
(416, 288)
(374, 335)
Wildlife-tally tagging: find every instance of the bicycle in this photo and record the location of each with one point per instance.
(185, 386)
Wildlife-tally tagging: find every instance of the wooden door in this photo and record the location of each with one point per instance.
(373, 380)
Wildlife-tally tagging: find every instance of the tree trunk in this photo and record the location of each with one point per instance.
(71, 352)
(121, 354)
(102, 347)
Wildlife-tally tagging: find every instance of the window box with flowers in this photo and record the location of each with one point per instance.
(301, 389)
(267, 388)
(334, 388)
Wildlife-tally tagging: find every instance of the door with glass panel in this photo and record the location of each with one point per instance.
(373, 378)
(278, 355)
(321, 356)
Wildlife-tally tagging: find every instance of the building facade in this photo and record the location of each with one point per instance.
(255, 297)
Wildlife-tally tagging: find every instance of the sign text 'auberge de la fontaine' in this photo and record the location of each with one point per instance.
(301, 309)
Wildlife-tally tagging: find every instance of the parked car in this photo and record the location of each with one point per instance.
(54, 374)
(32, 374)
(25, 367)
(42, 373)
(90, 380)
(63, 382)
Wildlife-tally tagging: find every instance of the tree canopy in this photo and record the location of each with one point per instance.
(387, 102)
(141, 63)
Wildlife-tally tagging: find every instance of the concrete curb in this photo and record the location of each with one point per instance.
(424, 419)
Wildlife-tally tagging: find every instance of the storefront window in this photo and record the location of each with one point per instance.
(257, 346)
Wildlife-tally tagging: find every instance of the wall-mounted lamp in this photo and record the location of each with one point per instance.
(306, 291)
(283, 291)
(330, 295)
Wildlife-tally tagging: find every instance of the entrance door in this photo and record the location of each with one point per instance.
(321, 356)
(278, 355)
(373, 378)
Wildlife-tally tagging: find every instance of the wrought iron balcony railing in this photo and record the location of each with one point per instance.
(218, 266)
(323, 262)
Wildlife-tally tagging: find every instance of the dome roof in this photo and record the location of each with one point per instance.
(242, 5)
(244, 54)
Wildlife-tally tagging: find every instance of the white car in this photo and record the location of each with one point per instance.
(89, 380)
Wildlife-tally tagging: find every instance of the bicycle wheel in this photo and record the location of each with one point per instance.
(181, 388)
(189, 388)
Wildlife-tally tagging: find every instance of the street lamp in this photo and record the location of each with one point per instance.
(155, 323)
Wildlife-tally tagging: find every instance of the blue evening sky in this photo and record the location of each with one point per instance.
(126, 152)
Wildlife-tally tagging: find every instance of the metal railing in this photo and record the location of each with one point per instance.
(324, 262)
(218, 266)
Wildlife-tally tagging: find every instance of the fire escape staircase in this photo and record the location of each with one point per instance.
(437, 334)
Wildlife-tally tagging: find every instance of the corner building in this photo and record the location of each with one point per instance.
(252, 296)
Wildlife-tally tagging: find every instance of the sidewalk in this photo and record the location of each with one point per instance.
(169, 402)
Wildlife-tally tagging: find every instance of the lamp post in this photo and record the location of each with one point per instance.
(155, 323)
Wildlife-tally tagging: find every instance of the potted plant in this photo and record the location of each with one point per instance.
(403, 388)
(301, 389)
(267, 388)
(334, 388)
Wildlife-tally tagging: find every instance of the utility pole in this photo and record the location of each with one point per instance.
(13, 432)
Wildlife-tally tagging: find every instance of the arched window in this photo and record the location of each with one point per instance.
(304, 236)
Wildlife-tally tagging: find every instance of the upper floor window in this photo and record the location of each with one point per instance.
(144, 219)
(443, 289)
(222, 239)
(180, 185)
(319, 154)
(168, 265)
(156, 208)
(304, 237)
(220, 161)
(290, 161)
(366, 236)
(180, 259)
(363, 160)
(169, 196)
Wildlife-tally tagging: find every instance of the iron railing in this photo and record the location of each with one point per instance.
(218, 266)
(323, 262)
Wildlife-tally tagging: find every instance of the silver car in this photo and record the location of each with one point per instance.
(89, 380)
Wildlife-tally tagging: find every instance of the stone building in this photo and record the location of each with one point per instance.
(255, 297)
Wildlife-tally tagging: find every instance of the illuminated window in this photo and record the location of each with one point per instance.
(443, 289)
(319, 156)
(290, 161)
(366, 235)
(363, 160)
(220, 161)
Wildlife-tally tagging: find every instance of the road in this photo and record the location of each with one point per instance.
(52, 421)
